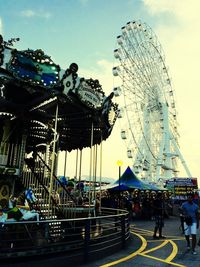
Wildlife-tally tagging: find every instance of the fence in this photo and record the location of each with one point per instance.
(78, 240)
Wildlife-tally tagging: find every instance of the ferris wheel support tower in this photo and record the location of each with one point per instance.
(147, 113)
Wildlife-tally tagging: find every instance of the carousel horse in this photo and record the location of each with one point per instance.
(29, 195)
(21, 210)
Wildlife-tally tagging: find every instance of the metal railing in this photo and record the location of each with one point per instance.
(34, 176)
(88, 239)
(10, 154)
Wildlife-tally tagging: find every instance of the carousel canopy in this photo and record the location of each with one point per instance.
(35, 94)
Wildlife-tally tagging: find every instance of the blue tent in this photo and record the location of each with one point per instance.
(116, 187)
(128, 181)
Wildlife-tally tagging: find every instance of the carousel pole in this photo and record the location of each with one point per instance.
(119, 164)
(76, 163)
(53, 159)
(80, 165)
(90, 176)
(65, 164)
(100, 174)
(95, 172)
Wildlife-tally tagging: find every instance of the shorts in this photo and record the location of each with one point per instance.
(190, 229)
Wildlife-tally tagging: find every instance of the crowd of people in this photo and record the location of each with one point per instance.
(148, 205)
(139, 203)
(157, 206)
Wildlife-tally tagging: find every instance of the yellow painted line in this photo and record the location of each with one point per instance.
(157, 259)
(155, 241)
(143, 246)
(155, 248)
(174, 251)
(139, 229)
(173, 238)
(177, 238)
(169, 258)
(143, 232)
(143, 253)
(159, 240)
(148, 235)
(135, 229)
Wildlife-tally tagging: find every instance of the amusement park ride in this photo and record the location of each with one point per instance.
(148, 116)
(43, 110)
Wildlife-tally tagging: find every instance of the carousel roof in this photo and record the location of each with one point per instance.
(39, 101)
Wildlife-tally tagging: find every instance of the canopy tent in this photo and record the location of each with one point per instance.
(128, 181)
(115, 187)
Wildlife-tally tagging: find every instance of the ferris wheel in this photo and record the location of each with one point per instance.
(147, 109)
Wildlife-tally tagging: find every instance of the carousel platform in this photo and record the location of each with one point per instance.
(78, 240)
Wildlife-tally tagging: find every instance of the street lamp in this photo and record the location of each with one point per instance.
(119, 164)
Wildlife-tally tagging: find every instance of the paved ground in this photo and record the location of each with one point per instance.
(144, 251)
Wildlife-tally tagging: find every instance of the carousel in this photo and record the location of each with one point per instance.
(44, 110)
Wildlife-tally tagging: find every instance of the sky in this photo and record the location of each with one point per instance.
(85, 32)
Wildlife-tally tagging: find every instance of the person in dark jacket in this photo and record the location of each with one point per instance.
(158, 209)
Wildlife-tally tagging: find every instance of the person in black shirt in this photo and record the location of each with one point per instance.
(159, 208)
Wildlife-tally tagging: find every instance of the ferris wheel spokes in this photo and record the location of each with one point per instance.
(147, 99)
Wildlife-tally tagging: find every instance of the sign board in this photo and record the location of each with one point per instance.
(88, 96)
(9, 171)
(181, 187)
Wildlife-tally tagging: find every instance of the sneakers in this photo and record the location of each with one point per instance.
(194, 252)
(188, 248)
(155, 237)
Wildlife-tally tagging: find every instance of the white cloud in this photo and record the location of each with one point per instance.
(182, 9)
(31, 13)
(160, 6)
(103, 72)
(181, 42)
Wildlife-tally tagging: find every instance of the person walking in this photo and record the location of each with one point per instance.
(159, 210)
(191, 221)
(181, 220)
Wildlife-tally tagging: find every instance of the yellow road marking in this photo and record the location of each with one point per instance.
(156, 248)
(143, 246)
(142, 232)
(149, 233)
(157, 259)
(159, 240)
(178, 239)
(174, 251)
(139, 229)
(171, 256)
(143, 253)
